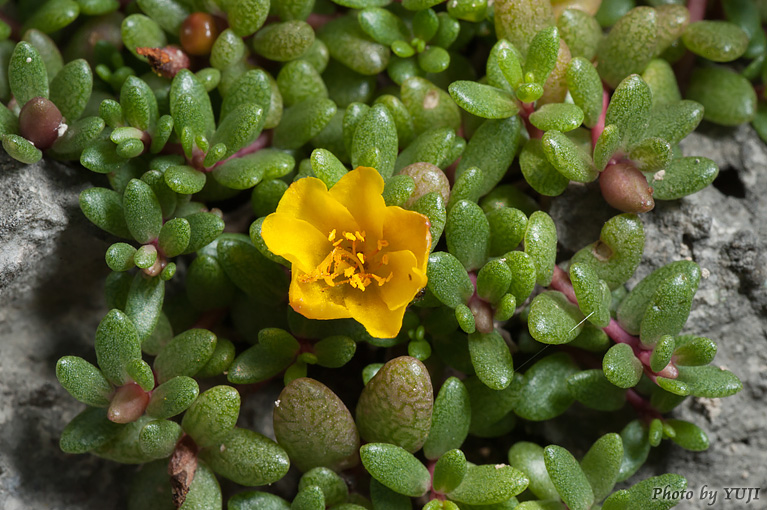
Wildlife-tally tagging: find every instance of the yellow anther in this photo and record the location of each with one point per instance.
(348, 272)
(361, 257)
(360, 237)
(385, 259)
(350, 236)
(382, 244)
(332, 235)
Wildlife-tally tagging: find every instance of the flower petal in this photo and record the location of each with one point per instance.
(297, 240)
(316, 300)
(406, 281)
(408, 230)
(360, 191)
(308, 199)
(369, 309)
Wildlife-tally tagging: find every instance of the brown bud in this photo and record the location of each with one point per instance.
(427, 178)
(40, 122)
(625, 188)
(128, 404)
(165, 62)
(198, 33)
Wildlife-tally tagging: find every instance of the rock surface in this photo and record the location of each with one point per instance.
(52, 269)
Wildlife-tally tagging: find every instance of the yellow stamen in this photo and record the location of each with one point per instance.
(332, 235)
(361, 257)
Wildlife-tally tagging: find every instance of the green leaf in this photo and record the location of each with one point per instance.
(538, 172)
(104, 208)
(541, 245)
(553, 319)
(491, 149)
(252, 87)
(334, 351)
(618, 252)
(382, 25)
(593, 294)
(720, 41)
(174, 237)
(692, 350)
(333, 487)
(450, 419)
(79, 135)
(581, 32)
(252, 272)
(705, 381)
(396, 468)
(592, 389)
(191, 110)
(542, 56)
(141, 31)
(206, 227)
(53, 15)
(621, 366)
(245, 457)
(518, 22)
(483, 100)
(674, 121)
(507, 229)
(448, 280)
(491, 414)
(491, 359)
(21, 149)
(489, 484)
(374, 143)
(636, 447)
(523, 274)
(608, 144)
(668, 309)
(402, 383)
(87, 431)
(71, 89)
(731, 108)
(350, 45)
(157, 439)
(144, 303)
(430, 106)
(284, 41)
(83, 381)
(568, 477)
(541, 393)
(387, 499)
(26, 74)
(682, 177)
(211, 417)
(503, 68)
(467, 232)
(246, 16)
(688, 435)
(651, 154)
(302, 122)
(119, 257)
(528, 458)
(629, 46)
(102, 157)
(185, 354)
(493, 281)
(219, 361)
(254, 500)
(315, 427)
(172, 397)
(239, 128)
(117, 344)
(645, 495)
(629, 109)
(449, 471)
(602, 463)
(299, 80)
(558, 116)
(143, 214)
(569, 159)
(275, 351)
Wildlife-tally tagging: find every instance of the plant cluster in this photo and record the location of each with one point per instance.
(431, 267)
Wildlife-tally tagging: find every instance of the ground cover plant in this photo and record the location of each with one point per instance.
(350, 197)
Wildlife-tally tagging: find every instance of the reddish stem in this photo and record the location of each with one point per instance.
(596, 131)
(262, 141)
(641, 405)
(697, 9)
(434, 494)
(524, 112)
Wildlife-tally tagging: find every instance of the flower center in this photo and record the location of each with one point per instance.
(347, 262)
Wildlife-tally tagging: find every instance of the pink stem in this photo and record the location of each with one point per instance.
(434, 494)
(697, 9)
(596, 131)
(524, 112)
(262, 141)
(641, 405)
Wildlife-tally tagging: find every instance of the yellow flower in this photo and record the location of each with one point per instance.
(352, 256)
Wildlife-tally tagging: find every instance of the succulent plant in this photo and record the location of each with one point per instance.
(398, 251)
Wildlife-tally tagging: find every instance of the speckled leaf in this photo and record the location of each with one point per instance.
(185, 354)
(205, 228)
(382, 25)
(674, 121)
(706, 381)
(256, 500)
(682, 177)
(483, 100)
(117, 344)
(727, 97)
(491, 359)
(629, 46)
(26, 74)
(688, 435)
(645, 495)
(507, 229)
(694, 350)
(430, 106)
(467, 232)
(668, 309)
(541, 393)
(172, 397)
(88, 430)
(489, 484)
(396, 405)
(350, 45)
(636, 447)
(395, 468)
(608, 143)
(246, 16)
(374, 143)
(659, 75)
(141, 31)
(651, 154)
(83, 381)
(538, 172)
(503, 68)
(541, 245)
(450, 419)
(602, 463)
(491, 149)
(621, 366)
(568, 477)
(519, 21)
(174, 237)
(104, 208)
(553, 319)
(448, 280)
(143, 214)
(618, 252)
(71, 89)
(629, 109)
(593, 294)
(592, 389)
(523, 274)
(568, 158)
(720, 41)
(302, 122)
(528, 458)
(491, 414)
(558, 116)
(275, 351)
(541, 55)
(633, 307)
(239, 128)
(158, 438)
(212, 416)
(284, 41)
(144, 303)
(580, 31)
(315, 427)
